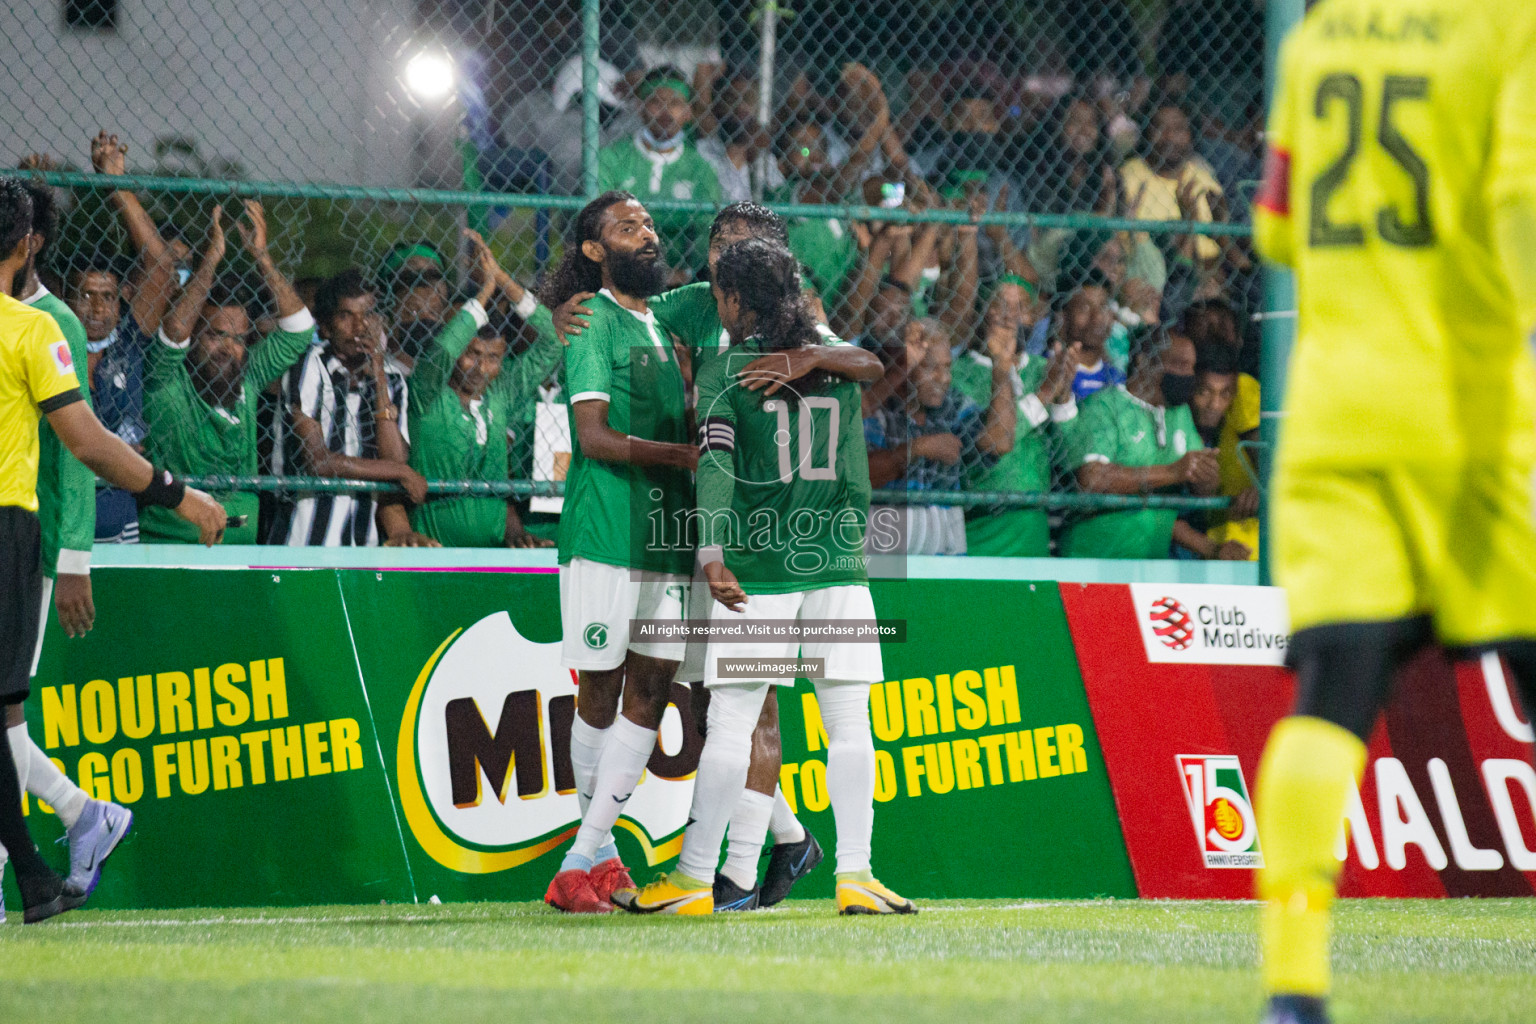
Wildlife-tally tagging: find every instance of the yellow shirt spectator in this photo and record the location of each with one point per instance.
(1242, 418)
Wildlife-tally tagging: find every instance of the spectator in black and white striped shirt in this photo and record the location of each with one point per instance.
(346, 418)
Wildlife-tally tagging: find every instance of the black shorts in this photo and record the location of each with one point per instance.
(21, 598)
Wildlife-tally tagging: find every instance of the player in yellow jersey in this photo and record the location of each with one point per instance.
(1401, 187)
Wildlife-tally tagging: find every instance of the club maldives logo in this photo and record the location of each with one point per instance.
(1220, 810)
(1171, 623)
(1212, 624)
(484, 756)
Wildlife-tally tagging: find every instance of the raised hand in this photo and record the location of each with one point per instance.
(1061, 371)
(37, 162)
(213, 249)
(108, 156)
(254, 235)
(1002, 339)
(1189, 195)
(485, 266)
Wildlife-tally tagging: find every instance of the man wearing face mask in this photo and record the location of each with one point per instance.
(202, 383)
(659, 162)
(116, 361)
(1137, 438)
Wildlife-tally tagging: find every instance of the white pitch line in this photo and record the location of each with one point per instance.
(167, 922)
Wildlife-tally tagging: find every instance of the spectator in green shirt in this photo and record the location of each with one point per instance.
(203, 379)
(1042, 388)
(414, 277)
(465, 396)
(1138, 438)
(826, 246)
(661, 162)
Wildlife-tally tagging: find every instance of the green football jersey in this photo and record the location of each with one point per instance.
(684, 175)
(823, 245)
(1003, 531)
(619, 513)
(1115, 426)
(66, 487)
(190, 437)
(455, 440)
(690, 315)
(783, 480)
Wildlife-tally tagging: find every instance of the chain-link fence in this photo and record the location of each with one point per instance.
(1055, 185)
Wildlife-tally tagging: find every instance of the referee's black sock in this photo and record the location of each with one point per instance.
(30, 869)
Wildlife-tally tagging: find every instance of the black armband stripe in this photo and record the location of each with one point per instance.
(60, 400)
(717, 435)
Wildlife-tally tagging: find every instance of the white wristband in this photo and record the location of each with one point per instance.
(73, 563)
(526, 305)
(476, 313)
(297, 323)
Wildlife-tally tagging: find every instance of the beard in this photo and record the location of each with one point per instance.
(222, 377)
(642, 273)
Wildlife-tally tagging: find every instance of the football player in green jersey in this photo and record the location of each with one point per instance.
(630, 463)
(783, 504)
(689, 314)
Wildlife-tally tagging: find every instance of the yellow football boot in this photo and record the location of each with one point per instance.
(669, 894)
(868, 896)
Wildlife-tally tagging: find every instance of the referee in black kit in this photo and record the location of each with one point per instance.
(38, 377)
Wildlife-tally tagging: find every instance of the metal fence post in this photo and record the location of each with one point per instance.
(767, 44)
(590, 11)
(1278, 330)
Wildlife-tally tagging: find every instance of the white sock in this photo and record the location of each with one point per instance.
(623, 761)
(744, 841)
(586, 748)
(722, 775)
(786, 828)
(850, 769)
(53, 787)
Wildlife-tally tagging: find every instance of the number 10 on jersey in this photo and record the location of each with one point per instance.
(805, 466)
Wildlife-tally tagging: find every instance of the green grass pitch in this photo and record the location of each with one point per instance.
(1128, 961)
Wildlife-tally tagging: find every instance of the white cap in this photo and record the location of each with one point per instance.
(568, 84)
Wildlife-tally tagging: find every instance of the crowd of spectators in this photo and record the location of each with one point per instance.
(1019, 359)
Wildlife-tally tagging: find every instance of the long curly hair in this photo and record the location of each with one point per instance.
(765, 278)
(577, 273)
